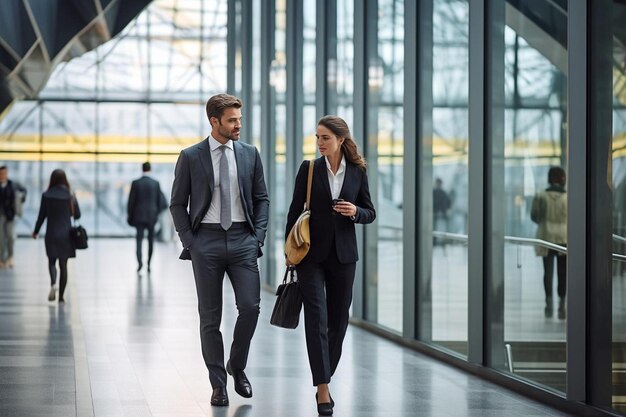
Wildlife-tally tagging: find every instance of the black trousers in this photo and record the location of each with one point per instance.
(53, 273)
(234, 252)
(140, 232)
(327, 294)
(548, 271)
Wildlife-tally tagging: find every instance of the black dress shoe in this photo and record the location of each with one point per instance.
(219, 397)
(325, 409)
(242, 385)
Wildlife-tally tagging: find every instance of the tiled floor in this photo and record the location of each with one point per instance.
(128, 345)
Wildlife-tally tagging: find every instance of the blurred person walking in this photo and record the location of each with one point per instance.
(441, 205)
(58, 206)
(340, 198)
(145, 202)
(549, 211)
(220, 208)
(12, 196)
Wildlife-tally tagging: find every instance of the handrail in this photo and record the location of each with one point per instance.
(619, 238)
(528, 241)
(536, 242)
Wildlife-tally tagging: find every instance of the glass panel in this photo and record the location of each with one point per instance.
(341, 68)
(256, 76)
(214, 48)
(174, 127)
(449, 187)
(386, 81)
(280, 195)
(619, 205)
(528, 287)
(309, 58)
(139, 97)
(238, 31)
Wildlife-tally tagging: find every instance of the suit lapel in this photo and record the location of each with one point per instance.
(321, 169)
(204, 151)
(347, 179)
(240, 160)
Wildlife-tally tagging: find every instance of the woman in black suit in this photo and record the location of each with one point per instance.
(58, 205)
(340, 198)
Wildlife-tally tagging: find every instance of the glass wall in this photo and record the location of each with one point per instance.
(278, 81)
(445, 179)
(138, 97)
(309, 58)
(529, 207)
(341, 65)
(256, 75)
(385, 82)
(619, 207)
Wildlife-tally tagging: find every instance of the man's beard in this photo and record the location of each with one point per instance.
(226, 133)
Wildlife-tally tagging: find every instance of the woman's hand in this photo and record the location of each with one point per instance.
(34, 235)
(345, 208)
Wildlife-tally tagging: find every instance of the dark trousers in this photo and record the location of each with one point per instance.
(548, 271)
(213, 253)
(53, 273)
(327, 294)
(140, 232)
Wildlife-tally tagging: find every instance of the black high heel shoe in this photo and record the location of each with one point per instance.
(325, 409)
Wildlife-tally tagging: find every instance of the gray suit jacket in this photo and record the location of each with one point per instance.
(192, 191)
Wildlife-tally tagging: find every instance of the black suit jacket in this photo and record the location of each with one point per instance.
(326, 224)
(192, 191)
(145, 202)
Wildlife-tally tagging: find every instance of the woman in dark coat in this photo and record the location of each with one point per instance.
(58, 205)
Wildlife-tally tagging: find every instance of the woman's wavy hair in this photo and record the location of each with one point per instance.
(58, 177)
(340, 128)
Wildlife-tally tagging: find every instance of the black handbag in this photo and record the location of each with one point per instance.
(286, 311)
(78, 234)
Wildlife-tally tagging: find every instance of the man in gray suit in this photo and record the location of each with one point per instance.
(220, 210)
(145, 202)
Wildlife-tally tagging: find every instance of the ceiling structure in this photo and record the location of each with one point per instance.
(36, 35)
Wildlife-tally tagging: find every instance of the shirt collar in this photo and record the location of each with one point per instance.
(214, 144)
(342, 164)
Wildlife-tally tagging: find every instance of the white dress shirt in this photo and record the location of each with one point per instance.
(236, 206)
(336, 180)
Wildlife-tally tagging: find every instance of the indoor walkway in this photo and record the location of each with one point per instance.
(127, 345)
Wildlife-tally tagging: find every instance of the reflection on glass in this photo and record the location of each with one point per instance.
(449, 187)
(529, 137)
(386, 78)
(619, 206)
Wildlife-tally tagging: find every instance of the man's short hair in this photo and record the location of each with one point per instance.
(218, 103)
(146, 166)
(3, 167)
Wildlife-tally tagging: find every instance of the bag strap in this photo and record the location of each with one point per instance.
(74, 221)
(308, 185)
(289, 272)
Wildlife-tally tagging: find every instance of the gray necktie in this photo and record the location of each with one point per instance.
(225, 212)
